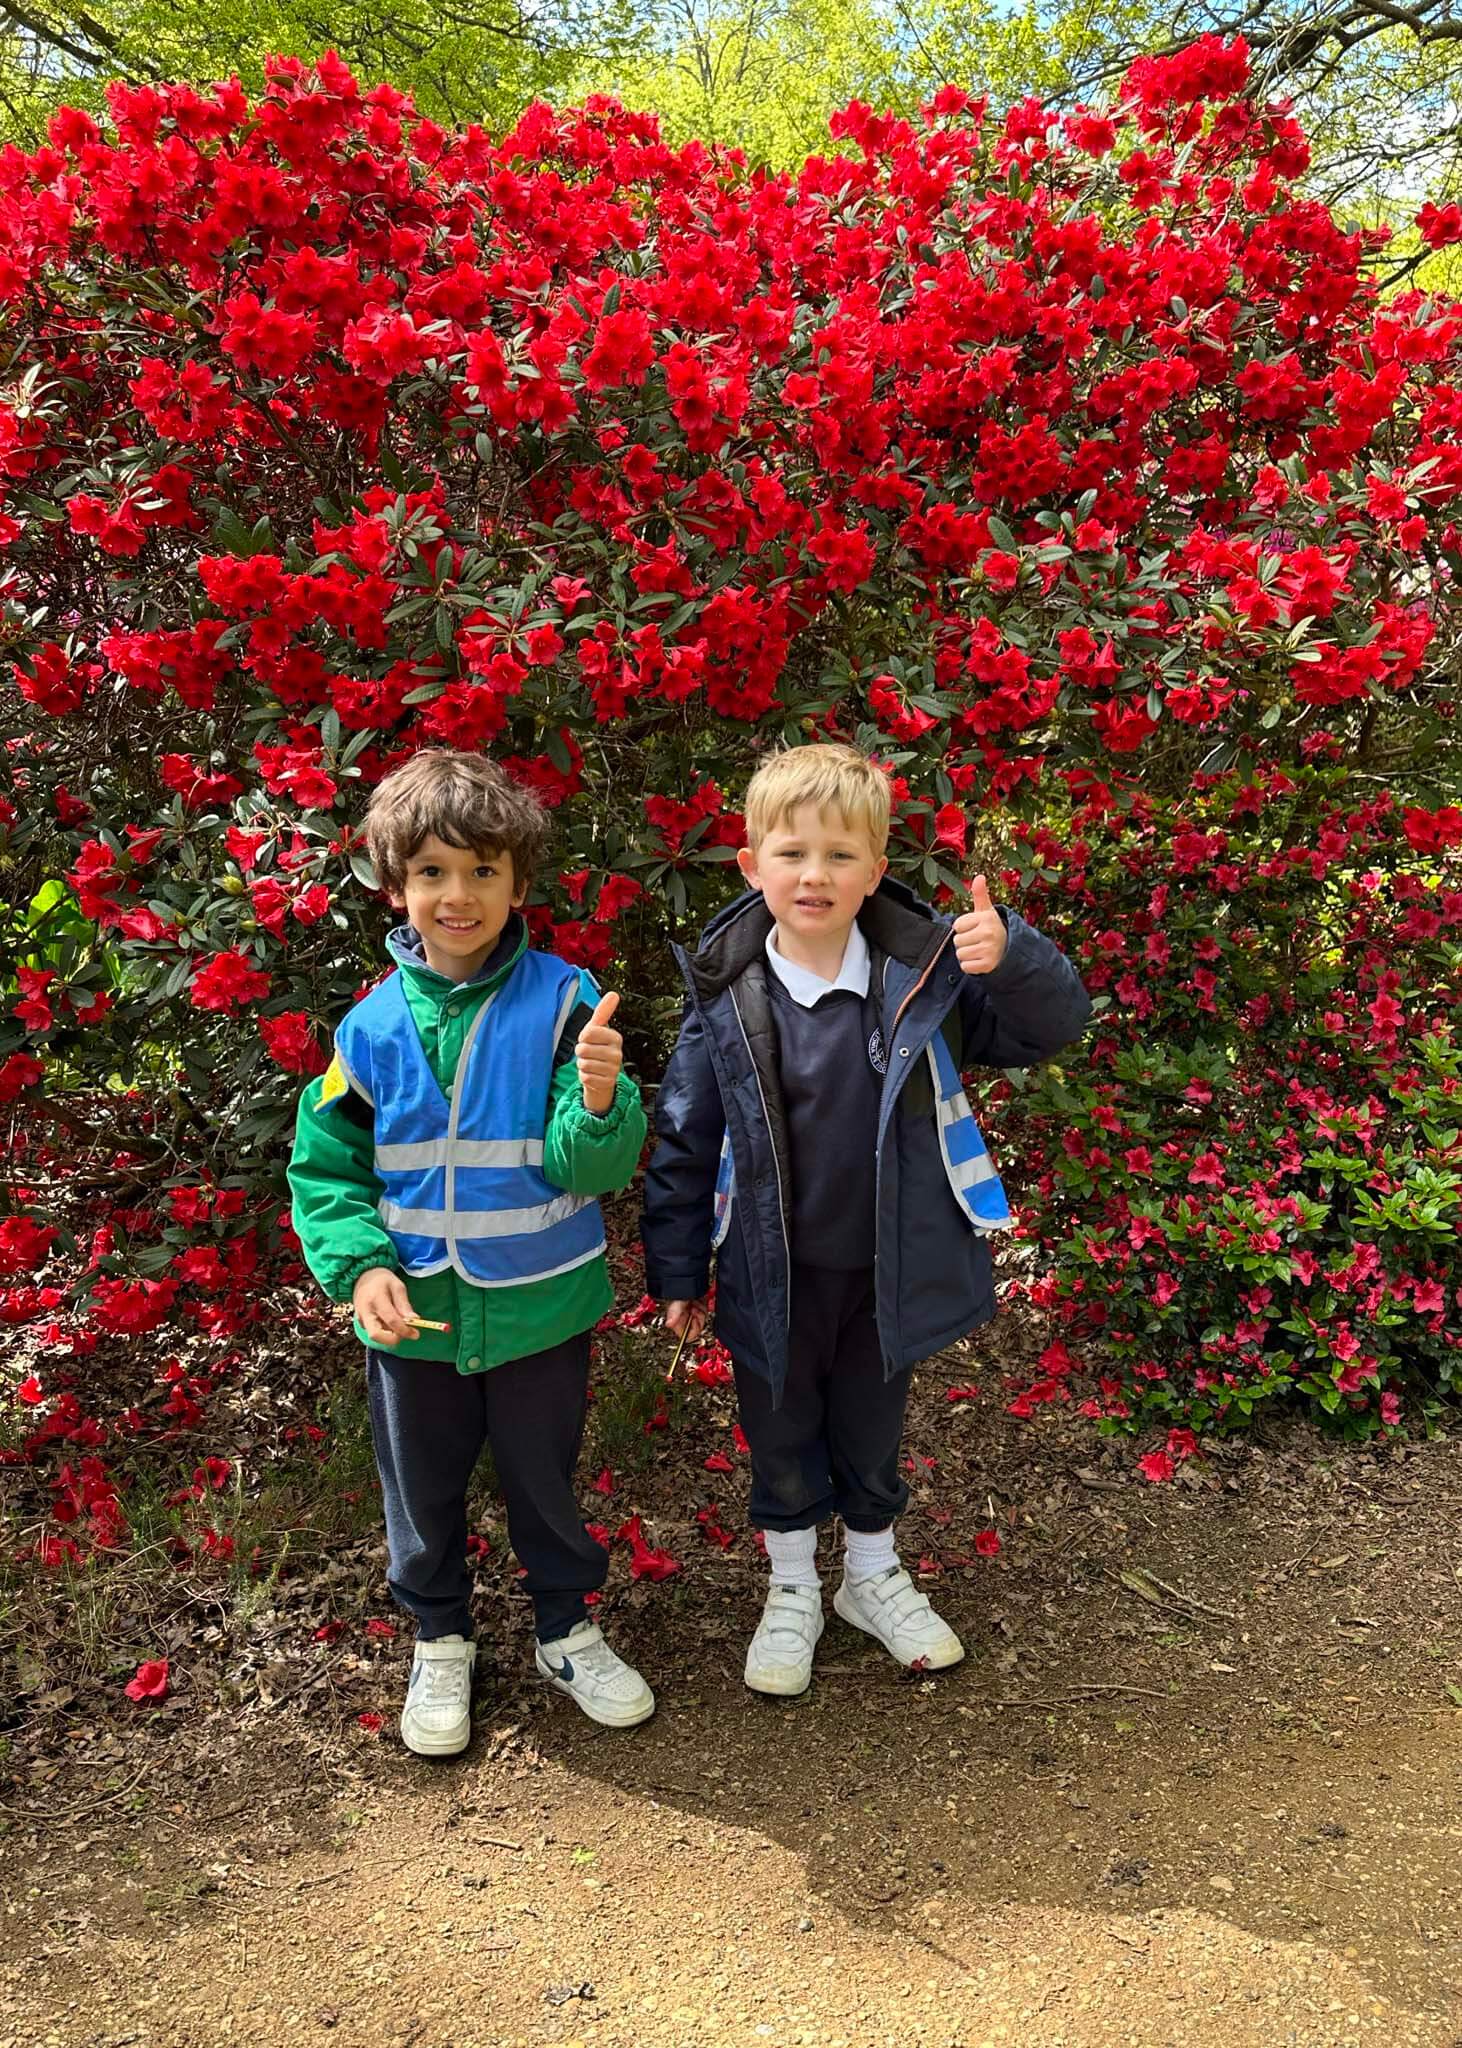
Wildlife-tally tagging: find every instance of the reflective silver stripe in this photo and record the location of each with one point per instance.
(432, 1152)
(595, 1251)
(951, 1110)
(566, 1009)
(971, 1172)
(476, 1223)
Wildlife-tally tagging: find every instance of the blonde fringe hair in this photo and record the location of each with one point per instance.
(833, 777)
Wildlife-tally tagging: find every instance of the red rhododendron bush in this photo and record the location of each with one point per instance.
(1077, 465)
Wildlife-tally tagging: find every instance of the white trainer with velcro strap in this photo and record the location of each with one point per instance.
(888, 1606)
(779, 1659)
(595, 1677)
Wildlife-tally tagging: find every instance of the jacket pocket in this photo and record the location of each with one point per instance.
(944, 1264)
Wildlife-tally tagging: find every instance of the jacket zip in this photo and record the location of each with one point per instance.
(933, 963)
(766, 1119)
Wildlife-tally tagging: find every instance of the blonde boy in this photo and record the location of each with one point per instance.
(813, 1136)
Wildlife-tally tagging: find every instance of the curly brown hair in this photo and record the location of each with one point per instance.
(462, 799)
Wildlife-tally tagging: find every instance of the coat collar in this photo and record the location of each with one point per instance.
(406, 949)
(893, 920)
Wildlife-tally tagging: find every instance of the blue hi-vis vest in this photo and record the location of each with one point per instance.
(463, 1176)
(967, 1164)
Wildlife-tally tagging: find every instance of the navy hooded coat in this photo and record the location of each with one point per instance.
(933, 1273)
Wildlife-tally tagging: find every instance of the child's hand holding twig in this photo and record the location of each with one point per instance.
(383, 1307)
(686, 1317)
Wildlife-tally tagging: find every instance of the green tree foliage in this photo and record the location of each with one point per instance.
(462, 60)
(763, 75)
(1375, 82)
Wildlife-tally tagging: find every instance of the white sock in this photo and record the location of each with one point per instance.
(869, 1551)
(792, 1555)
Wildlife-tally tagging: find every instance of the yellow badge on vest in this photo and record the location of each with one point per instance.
(333, 1085)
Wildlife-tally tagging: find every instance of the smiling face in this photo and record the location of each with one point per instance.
(815, 871)
(459, 899)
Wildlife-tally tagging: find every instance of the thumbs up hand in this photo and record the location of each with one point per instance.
(979, 935)
(599, 1055)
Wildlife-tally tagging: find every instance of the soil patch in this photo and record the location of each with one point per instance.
(1194, 1783)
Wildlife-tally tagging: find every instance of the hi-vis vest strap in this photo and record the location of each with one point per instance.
(462, 1176)
(968, 1166)
(724, 1195)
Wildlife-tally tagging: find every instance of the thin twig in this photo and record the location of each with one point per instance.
(1140, 1582)
(1148, 1692)
(87, 1806)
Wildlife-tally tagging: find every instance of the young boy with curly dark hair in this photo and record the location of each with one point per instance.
(444, 1178)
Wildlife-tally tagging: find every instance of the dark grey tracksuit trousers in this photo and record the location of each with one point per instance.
(429, 1423)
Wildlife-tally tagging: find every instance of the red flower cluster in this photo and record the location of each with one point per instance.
(1079, 467)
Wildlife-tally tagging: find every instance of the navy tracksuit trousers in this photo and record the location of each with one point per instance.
(429, 1423)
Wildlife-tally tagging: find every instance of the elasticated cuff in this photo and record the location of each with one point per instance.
(342, 1284)
(685, 1286)
(601, 1124)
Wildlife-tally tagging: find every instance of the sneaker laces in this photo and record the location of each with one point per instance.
(443, 1680)
(597, 1658)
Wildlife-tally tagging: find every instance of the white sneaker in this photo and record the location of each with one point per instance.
(779, 1658)
(437, 1717)
(582, 1664)
(889, 1605)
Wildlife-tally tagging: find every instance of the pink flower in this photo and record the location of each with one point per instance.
(1156, 1466)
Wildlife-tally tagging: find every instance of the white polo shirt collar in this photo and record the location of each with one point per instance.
(807, 988)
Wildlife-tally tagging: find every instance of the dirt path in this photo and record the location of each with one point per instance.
(1212, 1801)
(729, 1877)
